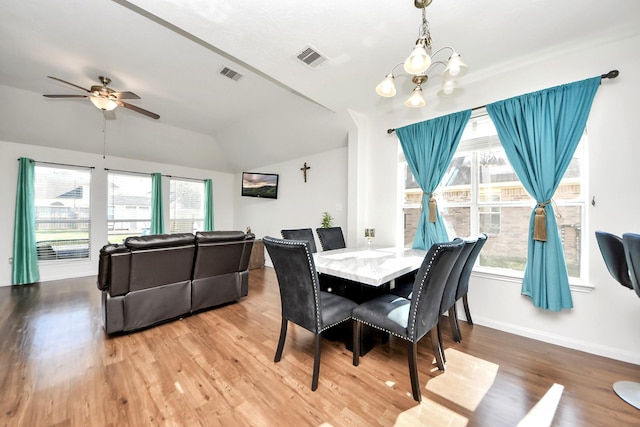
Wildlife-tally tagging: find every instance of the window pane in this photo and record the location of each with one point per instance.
(63, 217)
(129, 206)
(507, 228)
(187, 206)
(456, 183)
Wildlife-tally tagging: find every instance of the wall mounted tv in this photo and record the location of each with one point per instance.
(264, 185)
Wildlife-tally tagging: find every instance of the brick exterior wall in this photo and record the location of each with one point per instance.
(506, 248)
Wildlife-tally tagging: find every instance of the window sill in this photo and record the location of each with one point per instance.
(576, 285)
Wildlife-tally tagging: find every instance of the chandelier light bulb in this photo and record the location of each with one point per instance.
(447, 88)
(387, 87)
(416, 100)
(455, 68)
(418, 61)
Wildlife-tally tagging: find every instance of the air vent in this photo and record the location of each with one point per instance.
(233, 75)
(311, 56)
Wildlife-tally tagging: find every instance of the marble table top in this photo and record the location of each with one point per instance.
(371, 266)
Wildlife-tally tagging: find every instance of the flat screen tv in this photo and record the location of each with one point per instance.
(264, 185)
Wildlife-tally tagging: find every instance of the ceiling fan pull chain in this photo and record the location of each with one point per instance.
(104, 137)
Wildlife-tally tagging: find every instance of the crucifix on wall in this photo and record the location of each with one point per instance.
(304, 170)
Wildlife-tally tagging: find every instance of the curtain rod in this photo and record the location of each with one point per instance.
(60, 164)
(149, 174)
(610, 75)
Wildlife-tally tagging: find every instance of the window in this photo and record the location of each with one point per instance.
(129, 206)
(187, 206)
(480, 193)
(63, 216)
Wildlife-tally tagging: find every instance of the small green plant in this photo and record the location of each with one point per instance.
(327, 220)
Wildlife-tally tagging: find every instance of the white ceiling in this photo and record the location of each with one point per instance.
(169, 52)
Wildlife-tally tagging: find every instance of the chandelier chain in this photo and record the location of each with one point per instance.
(425, 32)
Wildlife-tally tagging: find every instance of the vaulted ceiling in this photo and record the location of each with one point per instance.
(170, 53)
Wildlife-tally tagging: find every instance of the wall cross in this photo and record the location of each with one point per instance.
(304, 170)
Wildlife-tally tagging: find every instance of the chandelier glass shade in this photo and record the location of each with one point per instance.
(421, 62)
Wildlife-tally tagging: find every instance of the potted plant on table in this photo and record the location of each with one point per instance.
(327, 220)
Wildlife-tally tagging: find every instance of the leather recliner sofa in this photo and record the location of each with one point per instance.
(152, 279)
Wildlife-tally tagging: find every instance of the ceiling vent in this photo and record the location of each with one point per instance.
(233, 75)
(311, 56)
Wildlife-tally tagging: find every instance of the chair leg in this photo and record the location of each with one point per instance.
(440, 346)
(454, 325)
(283, 335)
(437, 349)
(465, 302)
(356, 342)
(455, 314)
(316, 362)
(412, 352)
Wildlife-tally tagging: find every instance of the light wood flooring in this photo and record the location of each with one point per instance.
(215, 368)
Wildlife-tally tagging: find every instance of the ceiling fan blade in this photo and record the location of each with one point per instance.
(125, 95)
(70, 84)
(65, 96)
(109, 115)
(139, 110)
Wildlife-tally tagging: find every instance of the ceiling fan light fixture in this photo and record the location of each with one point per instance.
(103, 103)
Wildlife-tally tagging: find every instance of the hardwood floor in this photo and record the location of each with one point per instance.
(57, 368)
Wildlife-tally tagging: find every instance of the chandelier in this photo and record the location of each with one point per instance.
(421, 62)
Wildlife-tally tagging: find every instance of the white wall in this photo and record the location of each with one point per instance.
(10, 152)
(605, 320)
(299, 204)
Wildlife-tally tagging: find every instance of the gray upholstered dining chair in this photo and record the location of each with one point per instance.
(331, 238)
(629, 391)
(411, 319)
(301, 234)
(612, 250)
(463, 285)
(449, 295)
(622, 258)
(302, 301)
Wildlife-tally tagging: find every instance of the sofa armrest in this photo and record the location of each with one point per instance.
(106, 266)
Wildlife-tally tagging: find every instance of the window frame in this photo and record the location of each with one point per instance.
(70, 252)
(111, 221)
(172, 205)
(474, 204)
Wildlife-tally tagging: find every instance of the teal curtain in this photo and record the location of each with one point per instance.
(157, 214)
(25, 267)
(540, 132)
(208, 205)
(429, 147)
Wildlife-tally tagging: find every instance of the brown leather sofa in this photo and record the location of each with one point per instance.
(152, 279)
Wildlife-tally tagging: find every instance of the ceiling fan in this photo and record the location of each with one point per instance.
(105, 98)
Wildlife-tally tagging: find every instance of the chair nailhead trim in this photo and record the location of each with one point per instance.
(382, 329)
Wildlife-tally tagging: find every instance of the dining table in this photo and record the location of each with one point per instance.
(363, 273)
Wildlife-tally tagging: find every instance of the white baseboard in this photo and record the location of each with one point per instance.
(588, 347)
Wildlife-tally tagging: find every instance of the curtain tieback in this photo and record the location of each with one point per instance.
(433, 207)
(540, 222)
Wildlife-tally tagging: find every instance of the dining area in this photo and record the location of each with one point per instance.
(371, 293)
